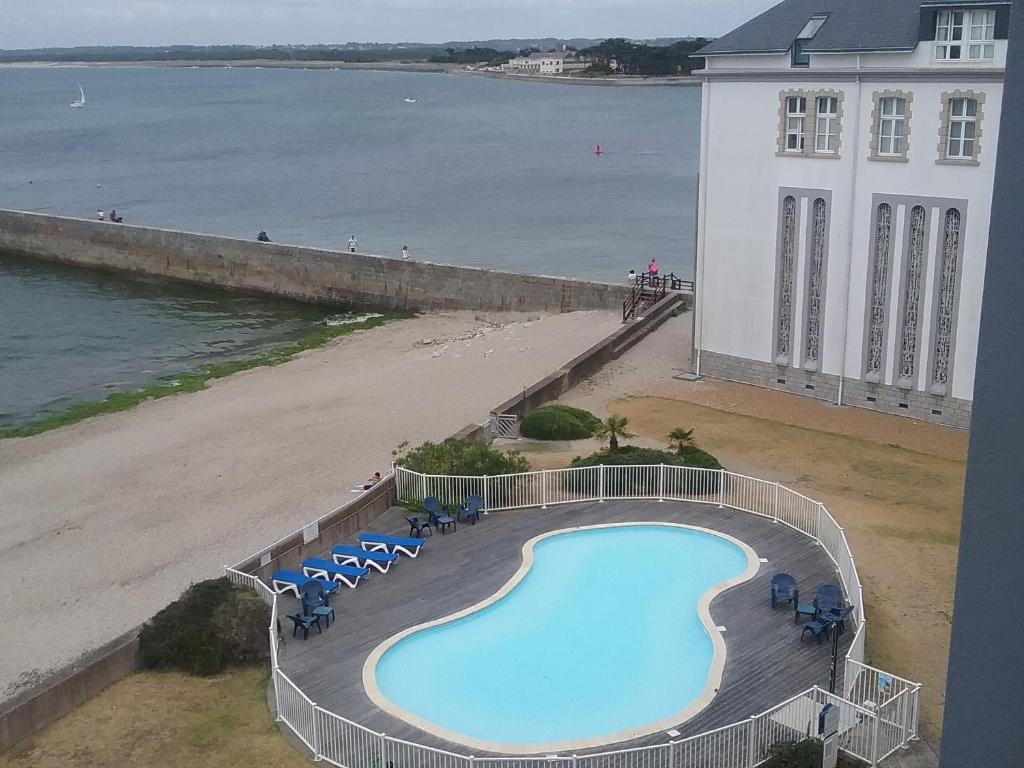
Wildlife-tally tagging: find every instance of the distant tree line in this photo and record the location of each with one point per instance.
(646, 60)
(474, 55)
(224, 53)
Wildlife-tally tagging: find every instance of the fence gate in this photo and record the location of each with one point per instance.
(504, 425)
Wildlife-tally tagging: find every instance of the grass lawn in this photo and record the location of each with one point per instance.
(166, 719)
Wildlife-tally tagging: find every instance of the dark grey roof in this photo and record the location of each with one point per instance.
(853, 25)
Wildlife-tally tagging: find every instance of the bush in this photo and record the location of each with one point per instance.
(558, 422)
(213, 625)
(623, 484)
(463, 457)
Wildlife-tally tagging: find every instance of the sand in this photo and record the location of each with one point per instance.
(104, 522)
(896, 485)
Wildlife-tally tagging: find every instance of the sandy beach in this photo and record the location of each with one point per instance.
(108, 520)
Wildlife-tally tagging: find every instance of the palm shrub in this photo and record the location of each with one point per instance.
(613, 429)
(213, 625)
(464, 457)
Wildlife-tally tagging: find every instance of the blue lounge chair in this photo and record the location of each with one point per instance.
(379, 561)
(290, 581)
(439, 515)
(328, 569)
(380, 542)
(471, 509)
(417, 526)
(784, 590)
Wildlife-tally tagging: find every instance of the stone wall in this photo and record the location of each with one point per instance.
(949, 411)
(306, 274)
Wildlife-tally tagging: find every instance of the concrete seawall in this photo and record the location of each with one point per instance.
(305, 274)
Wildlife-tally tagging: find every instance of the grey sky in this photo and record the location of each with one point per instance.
(39, 23)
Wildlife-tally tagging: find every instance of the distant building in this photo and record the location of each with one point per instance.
(550, 63)
(847, 158)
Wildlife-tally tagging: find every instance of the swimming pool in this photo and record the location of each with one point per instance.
(602, 635)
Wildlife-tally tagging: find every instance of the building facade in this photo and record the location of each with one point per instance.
(551, 63)
(847, 161)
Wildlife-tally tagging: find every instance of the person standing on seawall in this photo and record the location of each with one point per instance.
(631, 278)
(652, 270)
(405, 253)
(353, 244)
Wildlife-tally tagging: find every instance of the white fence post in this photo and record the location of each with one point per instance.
(383, 750)
(874, 736)
(423, 487)
(661, 482)
(752, 742)
(671, 753)
(775, 503)
(821, 518)
(600, 485)
(487, 484)
(721, 488)
(317, 756)
(277, 695)
(543, 489)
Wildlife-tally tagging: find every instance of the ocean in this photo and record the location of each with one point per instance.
(462, 169)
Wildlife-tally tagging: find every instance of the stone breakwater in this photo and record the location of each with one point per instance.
(306, 274)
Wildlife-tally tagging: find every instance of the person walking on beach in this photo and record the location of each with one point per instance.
(405, 253)
(353, 244)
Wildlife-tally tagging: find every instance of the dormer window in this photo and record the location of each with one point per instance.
(965, 35)
(800, 57)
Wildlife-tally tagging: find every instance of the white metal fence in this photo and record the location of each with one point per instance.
(878, 711)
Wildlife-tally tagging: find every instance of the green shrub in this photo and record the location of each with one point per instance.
(558, 422)
(628, 484)
(463, 457)
(212, 625)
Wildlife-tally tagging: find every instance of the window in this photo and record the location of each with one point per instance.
(827, 132)
(965, 35)
(796, 111)
(892, 126)
(963, 116)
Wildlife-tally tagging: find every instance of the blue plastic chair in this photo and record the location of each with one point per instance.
(439, 516)
(313, 596)
(784, 589)
(471, 509)
(838, 616)
(827, 597)
(417, 526)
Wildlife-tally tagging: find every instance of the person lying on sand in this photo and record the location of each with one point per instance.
(370, 482)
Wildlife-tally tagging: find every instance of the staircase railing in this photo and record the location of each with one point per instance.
(652, 288)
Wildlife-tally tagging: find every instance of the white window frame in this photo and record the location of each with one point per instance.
(965, 35)
(826, 125)
(795, 123)
(889, 122)
(966, 122)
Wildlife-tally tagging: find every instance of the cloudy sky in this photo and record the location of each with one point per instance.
(39, 23)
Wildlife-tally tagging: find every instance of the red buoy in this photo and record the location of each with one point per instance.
(597, 150)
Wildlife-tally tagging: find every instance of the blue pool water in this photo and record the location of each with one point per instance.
(601, 636)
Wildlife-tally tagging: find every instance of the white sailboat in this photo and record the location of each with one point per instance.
(81, 101)
(409, 101)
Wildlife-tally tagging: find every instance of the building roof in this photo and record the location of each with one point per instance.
(852, 25)
(550, 55)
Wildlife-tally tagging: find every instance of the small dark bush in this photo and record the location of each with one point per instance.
(213, 625)
(801, 754)
(558, 422)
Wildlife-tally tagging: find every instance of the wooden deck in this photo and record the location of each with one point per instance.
(766, 662)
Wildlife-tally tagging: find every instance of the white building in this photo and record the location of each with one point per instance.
(847, 157)
(550, 63)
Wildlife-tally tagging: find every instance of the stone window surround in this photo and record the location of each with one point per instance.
(979, 128)
(876, 126)
(929, 316)
(810, 123)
